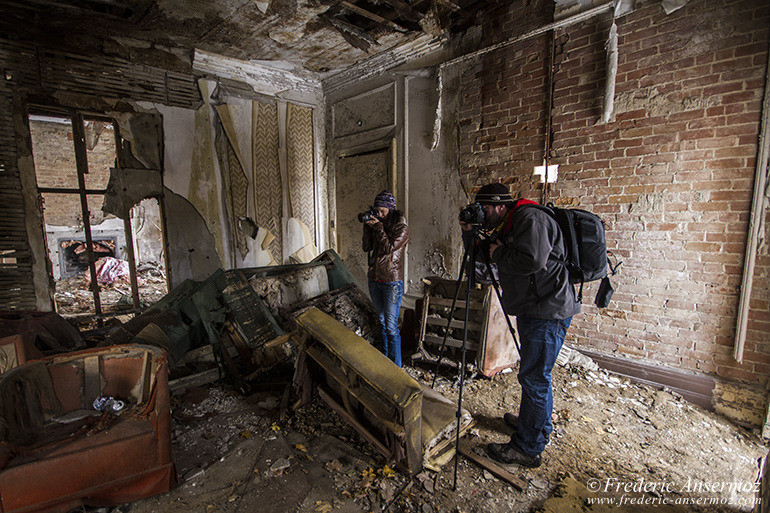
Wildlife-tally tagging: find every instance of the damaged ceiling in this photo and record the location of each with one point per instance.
(319, 36)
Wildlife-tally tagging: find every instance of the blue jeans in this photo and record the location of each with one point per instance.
(386, 296)
(541, 341)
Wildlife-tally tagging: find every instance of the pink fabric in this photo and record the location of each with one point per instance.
(110, 270)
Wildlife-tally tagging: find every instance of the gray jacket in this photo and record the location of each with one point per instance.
(534, 283)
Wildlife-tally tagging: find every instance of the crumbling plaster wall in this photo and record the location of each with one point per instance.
(435, 192)
(191, 171)
(671, 173)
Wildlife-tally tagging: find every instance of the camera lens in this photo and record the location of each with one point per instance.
(473, 214)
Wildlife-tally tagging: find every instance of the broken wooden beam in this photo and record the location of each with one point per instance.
(194, 380)
(357, 37)
(494, 468)
(374, 17)
(404, 10)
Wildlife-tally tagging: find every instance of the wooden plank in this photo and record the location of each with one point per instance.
(374, 17)
(456, 323)
(442, 301)
(144, 393)
(278, 340)
(55, 190)
(493, 468)
(194, 380)
(92, 381)
(451, 342)
(424, 316)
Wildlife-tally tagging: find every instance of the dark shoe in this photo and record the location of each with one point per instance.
(507, 453)
(512, 421)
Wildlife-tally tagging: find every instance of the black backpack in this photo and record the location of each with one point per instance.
(584, 239)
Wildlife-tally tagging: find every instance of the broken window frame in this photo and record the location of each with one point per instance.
(77, 118)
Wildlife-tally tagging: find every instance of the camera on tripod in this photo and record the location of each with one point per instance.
(473, 214)
(370, 214)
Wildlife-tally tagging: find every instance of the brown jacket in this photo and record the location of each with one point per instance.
(386, 243)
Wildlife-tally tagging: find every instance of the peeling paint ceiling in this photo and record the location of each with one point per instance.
(320, 36)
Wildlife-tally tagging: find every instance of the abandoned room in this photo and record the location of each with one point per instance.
(186, 318)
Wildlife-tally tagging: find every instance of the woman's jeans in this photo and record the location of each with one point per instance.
(386, 296)
(541, 341)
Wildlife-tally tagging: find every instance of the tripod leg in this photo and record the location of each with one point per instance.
(458, 414)
(451, 314)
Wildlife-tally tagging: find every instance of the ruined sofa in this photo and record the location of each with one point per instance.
(240, 318)
(57, 452)
(409, 424)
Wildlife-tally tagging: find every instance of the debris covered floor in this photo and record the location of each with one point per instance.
(234, 454)
(73, 297)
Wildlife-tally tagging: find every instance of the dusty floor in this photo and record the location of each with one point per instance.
(613, 440)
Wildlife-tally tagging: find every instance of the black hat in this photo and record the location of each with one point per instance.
(494, 194)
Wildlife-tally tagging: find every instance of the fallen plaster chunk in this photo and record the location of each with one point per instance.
(280, 465)
(569, 357)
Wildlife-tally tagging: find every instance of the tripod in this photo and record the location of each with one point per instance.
(470, 261)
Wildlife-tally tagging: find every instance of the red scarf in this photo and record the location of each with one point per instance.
(508, 218)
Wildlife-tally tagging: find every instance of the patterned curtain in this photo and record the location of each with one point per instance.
(299, 146)
(267, 173)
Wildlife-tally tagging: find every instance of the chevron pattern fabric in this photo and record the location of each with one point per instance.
(267, 173)
(299, 146)
(239, 189)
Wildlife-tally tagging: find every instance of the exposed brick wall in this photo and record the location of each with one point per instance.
(54, 156)
(672, 173)
(503, 102)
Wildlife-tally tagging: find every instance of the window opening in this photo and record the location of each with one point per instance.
(73, 155)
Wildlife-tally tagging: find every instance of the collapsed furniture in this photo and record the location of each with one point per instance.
(221, 316)
(409, 424)
(58, 452)
(490, 343)
(241, 319)
(326, 284)
(49, 332)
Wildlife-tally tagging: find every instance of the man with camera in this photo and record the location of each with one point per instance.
(385, 238)
(526, 246)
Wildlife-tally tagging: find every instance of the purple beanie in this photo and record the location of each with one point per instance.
(385, 199)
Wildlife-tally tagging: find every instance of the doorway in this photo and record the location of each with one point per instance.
(101, 265)
(358, 179)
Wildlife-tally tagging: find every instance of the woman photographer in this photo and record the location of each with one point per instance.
(385, 238)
